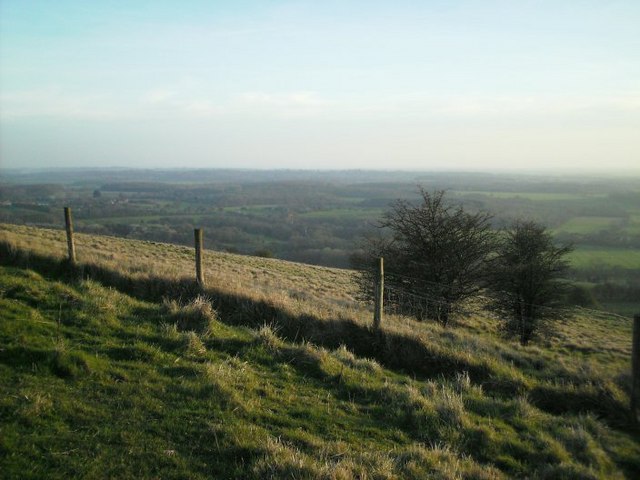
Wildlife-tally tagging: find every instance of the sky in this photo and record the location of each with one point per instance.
(482, 85)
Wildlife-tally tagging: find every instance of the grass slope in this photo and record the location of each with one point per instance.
(324, 286)
(98, 383)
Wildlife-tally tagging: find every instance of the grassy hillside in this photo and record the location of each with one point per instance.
(113, 369)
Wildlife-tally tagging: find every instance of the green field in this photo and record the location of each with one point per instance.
(345, 214)
(151, 218)
(536, 196)
(587, 257)
(634, 225)
(589, 224)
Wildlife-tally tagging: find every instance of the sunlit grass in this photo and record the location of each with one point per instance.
(273, 371)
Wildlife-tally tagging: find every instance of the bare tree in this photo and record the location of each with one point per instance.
(435, 251)
(526, 286)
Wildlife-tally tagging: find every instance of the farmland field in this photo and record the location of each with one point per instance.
(346, 213)
(589, 224)
(536, 196)
(593, 256)
(634, 225)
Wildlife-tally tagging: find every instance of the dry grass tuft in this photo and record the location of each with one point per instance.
(193, 344)
(170, 330)
(196, 315)
(350, 360)
(267, 336)
(35, 404)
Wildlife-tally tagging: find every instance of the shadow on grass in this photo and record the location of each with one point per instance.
(393, 350)
(24, 358)
(61, 363)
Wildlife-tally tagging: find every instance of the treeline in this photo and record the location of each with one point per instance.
(611, 284)
(279, 233)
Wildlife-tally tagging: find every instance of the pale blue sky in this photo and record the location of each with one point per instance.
(456, 85)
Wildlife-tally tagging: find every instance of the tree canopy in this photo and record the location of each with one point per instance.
(526, 286)
(435, 252)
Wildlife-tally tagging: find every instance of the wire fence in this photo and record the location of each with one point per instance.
(401, 297)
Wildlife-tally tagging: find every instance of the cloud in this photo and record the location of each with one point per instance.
(285, 104)
(190, 99)
(58, 103)
(178, 101)
(291, 99)
(54, 102)
(531, 108)
(533, 104)
(158, 96)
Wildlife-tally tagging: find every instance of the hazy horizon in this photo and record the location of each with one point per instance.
(18, 174)
(541, 172)
(496, 86)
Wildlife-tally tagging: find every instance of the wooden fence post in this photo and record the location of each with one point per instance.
(71, 247)
(379, 294)
(635, 369)
(199, 272)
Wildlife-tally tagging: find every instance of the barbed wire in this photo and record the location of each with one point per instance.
(561, 311)
(442, 306)
(602, 313)
(488, 299)
(416, 279)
